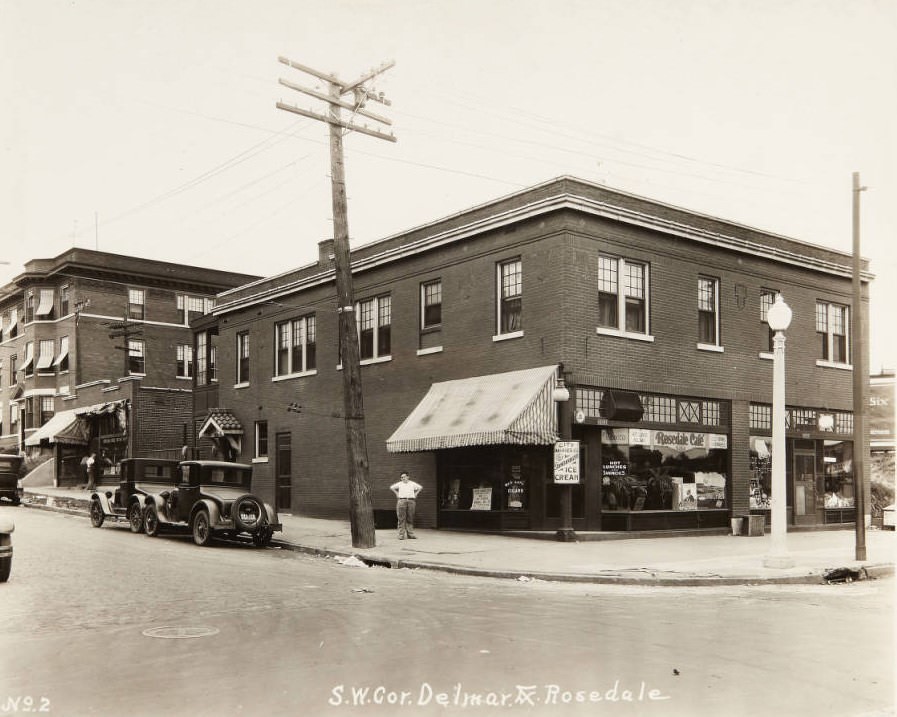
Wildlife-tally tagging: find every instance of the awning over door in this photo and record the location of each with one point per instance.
(221, 423)
(503, 408)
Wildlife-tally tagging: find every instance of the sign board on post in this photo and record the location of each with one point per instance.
(566, 462)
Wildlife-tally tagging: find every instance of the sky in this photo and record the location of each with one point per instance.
(150, 128)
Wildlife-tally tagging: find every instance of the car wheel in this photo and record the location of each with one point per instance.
(262, 538)
(151, 521)
(5, 568)
(202, 529)
(135, 517)
(96, 514)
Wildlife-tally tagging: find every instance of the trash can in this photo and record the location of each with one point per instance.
(736, 525)
(754, 524)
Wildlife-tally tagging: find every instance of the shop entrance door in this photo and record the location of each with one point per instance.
(283, 471)
(804, 488)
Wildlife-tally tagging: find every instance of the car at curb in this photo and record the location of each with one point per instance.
(139, 477)
(6, 529)
(11, 477)
(212, 498)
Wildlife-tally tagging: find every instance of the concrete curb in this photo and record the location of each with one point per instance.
(873, 572)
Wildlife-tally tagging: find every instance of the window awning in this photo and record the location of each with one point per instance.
(64, 427)
(45, 361)
(63, 350)
(45, 306)
(503, 408)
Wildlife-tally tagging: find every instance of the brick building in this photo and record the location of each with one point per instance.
(68, 386)
(652, 316)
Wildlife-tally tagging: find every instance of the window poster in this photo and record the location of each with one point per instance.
(482, 499)
(515, 490)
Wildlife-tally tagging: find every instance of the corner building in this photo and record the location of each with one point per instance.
(652, 316)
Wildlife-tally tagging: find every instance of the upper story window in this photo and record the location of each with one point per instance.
(64, 300)
(28, 364)
(431, 304)
(45, 306)
(202, 358)
(708, 311)
(374, 317)
(46, 356)
(831, 329)
(184, 361)
(136, 304)
(13, 330)
(243, 357)
(62, 360)
(13, 414)
(631, 302)
(29, 306)
(296, 346)
(46, 409)
(509, 309)
(136, 357)
(191, 307)
(213, 363)
(767, 299)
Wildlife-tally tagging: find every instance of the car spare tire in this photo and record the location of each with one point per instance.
(248, 514)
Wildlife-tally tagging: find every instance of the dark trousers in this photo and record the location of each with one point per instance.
(405, 513)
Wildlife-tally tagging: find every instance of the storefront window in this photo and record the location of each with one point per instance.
(838, 462)
(663, 470)
(761, 472)
(483, 481)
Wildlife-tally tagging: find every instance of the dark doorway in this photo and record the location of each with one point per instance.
(283, 471)
(804, 488)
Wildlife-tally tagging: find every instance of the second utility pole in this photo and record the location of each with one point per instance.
(361, 512)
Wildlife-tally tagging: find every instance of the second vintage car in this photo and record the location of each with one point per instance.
(11, 477)
(138, 478)
(212, 497)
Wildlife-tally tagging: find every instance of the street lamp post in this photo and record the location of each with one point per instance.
(779, 318)
(561, 396)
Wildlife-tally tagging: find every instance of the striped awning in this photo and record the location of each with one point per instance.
(66, 422)
(503, 408)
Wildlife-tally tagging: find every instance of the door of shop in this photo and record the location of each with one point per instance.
(804, 488)
(283, 471)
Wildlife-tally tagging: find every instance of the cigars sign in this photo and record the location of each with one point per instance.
(674, 440)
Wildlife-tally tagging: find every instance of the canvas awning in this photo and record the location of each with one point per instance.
(64, 427)
(45, 306)
(503, 408)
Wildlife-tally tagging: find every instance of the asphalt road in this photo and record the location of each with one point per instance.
(103, 622)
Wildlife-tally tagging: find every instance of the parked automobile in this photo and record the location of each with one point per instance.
(212, 497)
(6, 529)
(139, 477)
(11, 477)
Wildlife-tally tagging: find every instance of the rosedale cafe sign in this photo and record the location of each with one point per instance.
(679, 441)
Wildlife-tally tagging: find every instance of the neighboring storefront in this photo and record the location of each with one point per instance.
(818, 467)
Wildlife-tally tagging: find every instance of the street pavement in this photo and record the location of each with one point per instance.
(711, 559)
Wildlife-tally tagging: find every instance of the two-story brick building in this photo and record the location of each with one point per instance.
(653, 316)
(96, 353)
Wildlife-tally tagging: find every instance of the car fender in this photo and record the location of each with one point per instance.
(104, 502)
(271, 515)
(212, 507)
(159, 502)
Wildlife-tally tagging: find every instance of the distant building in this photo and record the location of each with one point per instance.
(881, 427)
(96, 353)
(652, 316)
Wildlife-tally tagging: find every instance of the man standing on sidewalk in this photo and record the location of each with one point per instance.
(406, 491)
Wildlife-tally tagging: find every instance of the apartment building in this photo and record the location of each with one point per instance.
(96, 354)
(653, 318)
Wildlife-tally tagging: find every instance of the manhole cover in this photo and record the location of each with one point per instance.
(180, 633)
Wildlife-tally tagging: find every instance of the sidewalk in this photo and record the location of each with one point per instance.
(678, 560)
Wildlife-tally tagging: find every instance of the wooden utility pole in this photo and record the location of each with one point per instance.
(125, 329)
(859, 380)
(361, 512)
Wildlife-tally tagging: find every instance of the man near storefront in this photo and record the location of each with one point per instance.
(406, 491)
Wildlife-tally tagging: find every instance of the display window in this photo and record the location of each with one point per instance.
(761, 472)
(663, 470)
(480, 480)
(837, 459)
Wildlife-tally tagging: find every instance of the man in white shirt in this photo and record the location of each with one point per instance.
(406, 491)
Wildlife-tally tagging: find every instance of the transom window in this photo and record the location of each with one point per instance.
(431, 304)
(831, 330)
(510, 297)
(296, 346)
(708, 311)
(136, 304)
(630, 303)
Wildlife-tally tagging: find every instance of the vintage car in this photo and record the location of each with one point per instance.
(138, 478)
(11, 477)
(212, 497)
(6, 529)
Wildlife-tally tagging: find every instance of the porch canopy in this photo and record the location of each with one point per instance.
(503, 408)
(221, 423)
